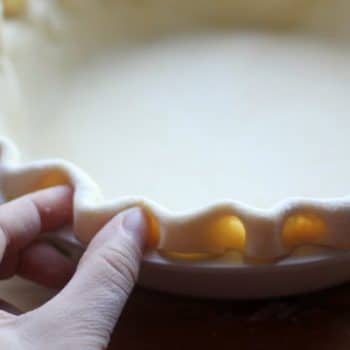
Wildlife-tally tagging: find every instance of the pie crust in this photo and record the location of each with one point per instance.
(197, 241)
(269, 234)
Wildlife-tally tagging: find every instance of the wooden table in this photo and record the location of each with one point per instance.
(158, 321)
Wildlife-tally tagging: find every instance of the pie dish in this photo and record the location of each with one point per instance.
(138, 103)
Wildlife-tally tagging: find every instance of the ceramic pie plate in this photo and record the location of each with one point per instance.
(228, 125)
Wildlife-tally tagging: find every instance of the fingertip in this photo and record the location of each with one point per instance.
(131, 222)
(135, 223)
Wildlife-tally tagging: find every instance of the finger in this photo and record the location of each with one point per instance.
(89, 306)
(22, 221)
(44, 264)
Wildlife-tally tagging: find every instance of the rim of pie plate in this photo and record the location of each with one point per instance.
(260, 235)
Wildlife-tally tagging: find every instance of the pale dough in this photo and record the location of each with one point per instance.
(192, 119)
(247, 117)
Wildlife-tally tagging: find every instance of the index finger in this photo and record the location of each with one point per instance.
(23, 219)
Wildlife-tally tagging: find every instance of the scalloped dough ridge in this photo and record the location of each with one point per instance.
(178, 232)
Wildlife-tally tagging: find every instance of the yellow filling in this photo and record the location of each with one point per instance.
(153, 234)
(227, 233)
(54, 178)
(224, 234)
(14, 7)
(187, 256)
(303, 229)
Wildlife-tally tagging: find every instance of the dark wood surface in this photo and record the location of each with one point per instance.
(158, 321)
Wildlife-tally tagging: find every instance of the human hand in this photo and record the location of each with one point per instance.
(84, 313)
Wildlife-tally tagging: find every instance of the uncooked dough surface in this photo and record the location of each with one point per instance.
(189, 120)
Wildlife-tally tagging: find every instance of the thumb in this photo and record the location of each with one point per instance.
(87, 309)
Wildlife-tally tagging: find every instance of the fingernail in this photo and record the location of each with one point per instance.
(135, 223)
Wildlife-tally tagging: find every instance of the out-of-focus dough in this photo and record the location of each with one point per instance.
(189, 120)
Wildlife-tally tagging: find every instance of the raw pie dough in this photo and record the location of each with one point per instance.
(186, 120)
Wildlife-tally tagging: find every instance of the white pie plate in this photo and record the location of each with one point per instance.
(288, 270)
